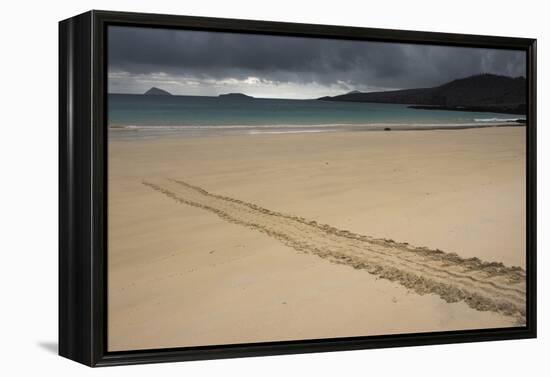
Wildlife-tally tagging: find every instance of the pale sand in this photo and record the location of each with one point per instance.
(188, 268)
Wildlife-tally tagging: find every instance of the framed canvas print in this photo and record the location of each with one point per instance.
(238, 188)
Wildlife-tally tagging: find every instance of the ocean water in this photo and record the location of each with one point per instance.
(132, 116)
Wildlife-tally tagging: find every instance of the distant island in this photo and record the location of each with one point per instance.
(235, 95)
(157, 92)
(484, 93)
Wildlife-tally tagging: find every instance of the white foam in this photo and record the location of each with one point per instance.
(287, 132)
(233, 126)
(494, 120)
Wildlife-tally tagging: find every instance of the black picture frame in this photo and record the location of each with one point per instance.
(83, 194)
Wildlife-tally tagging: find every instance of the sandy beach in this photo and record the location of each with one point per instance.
(253, 238)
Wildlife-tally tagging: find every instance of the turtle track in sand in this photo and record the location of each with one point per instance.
(484, 286)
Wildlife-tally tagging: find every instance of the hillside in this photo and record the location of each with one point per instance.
(157, 92)
(485, 92)
(235, 96)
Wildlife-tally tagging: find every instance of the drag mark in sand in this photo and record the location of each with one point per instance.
(485, 286)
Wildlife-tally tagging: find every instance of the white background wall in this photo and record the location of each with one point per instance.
(28, 185)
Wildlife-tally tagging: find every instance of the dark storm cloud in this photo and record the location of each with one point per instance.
(208, 58)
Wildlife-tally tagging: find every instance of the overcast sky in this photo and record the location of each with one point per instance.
(212, 63)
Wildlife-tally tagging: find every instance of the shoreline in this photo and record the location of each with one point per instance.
(248, 130)
(497, 109)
